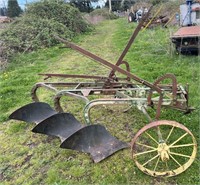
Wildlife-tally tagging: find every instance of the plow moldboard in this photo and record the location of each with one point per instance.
(33, 112)
(92, 139)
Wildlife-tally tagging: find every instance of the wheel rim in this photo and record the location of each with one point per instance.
(164, 148)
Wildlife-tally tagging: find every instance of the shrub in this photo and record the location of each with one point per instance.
(60, 12)
(29, 34)
(41, 20)
(104, 13)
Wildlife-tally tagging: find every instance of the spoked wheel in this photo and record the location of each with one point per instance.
(164, 148)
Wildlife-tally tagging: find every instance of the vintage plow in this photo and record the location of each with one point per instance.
(161, 148)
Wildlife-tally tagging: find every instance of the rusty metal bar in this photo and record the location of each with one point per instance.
(108, 64)
(49, 75)
(131, 40)
(86, 84)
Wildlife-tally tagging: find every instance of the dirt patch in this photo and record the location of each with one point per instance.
(26, 160)
(3, 63)
(1, 176)
(3, 60)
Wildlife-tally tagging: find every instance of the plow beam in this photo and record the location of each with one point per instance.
(95, 140)
(33, 112)
(61, 125)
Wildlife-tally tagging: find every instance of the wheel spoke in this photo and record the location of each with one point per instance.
(169, 134)
(182, 155)
(175, 160)
(167, 165)
(168, 95)
(152, 138)
(147, 146)
(146, 152)
(150, 160)
(179, 139)
(159, 134)
(156, 164)
(184, 145)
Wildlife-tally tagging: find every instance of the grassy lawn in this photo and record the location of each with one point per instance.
(28, 158)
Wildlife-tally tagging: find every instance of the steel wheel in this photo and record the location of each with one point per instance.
(164, 148)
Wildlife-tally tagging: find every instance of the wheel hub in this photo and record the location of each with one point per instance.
(163, 151)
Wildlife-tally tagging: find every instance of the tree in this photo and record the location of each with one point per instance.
(13, 8)
(114, 4)
(3, 11)
(126, 4)
(82, 5)
(121, 5)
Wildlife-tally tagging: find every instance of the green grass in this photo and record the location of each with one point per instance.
(28, 158)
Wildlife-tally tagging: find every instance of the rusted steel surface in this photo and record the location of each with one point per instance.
(127, 69)
(73, 76)
(190, 31)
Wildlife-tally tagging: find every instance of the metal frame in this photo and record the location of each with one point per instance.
(133, 91)
(112, 85)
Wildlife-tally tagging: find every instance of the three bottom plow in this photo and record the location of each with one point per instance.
(161, 148)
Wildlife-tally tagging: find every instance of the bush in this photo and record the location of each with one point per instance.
(41, 20)
(104, 13)
(29, 34)
(60, 12)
